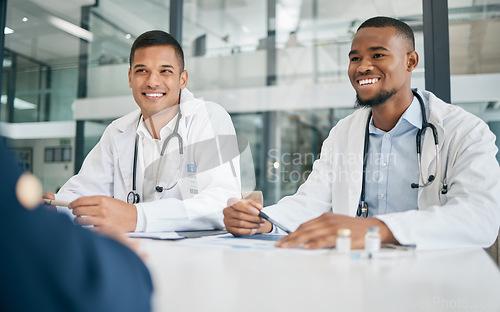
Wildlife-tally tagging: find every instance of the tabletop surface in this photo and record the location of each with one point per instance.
(210, 274)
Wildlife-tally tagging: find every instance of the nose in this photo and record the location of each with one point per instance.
(153, 80)
(365, 66)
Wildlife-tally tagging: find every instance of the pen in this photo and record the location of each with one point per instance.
(266, 217)
(56, 202)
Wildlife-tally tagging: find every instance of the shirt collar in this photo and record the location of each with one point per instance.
(143, 131)
(412, 116)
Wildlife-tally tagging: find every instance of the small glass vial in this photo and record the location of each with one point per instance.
(372, 240)
(343, 241)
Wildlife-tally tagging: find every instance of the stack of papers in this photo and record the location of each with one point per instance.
(176, 235)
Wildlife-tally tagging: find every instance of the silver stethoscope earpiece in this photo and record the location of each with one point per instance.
(363, 206)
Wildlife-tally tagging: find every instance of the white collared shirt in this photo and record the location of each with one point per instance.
(150, 165)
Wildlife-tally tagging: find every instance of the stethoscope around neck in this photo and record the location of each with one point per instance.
(363, 206)
(133, 197)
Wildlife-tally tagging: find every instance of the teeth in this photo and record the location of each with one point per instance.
(368, 81)
(154, 94)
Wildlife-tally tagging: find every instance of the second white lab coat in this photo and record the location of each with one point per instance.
(468, 215)
(209, 143)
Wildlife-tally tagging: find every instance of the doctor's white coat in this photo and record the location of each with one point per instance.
(209, 143)
(468, 215)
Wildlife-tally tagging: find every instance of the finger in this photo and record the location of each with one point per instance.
(241, 232)
(85, 201)
(232, 201)
(285, 241)
(87, 221)
(255, 204)
(252, 202)
(241, 224)
(85, 211)
(246, 207)
(49, 195)
(321, 242)
(304, 236)
(291, 236)
(325, 221)
(231, 213)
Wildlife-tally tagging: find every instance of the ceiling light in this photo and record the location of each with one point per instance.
(8, 31)
(70, 28)
(128, 36)
(25, 19)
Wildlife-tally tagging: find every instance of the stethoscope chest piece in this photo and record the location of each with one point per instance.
(362, 210)
(133, 197)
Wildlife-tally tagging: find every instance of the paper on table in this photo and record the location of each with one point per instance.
(157, 235)
(259, 241)
(256, 242)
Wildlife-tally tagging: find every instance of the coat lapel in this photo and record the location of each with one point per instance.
(124, 142)
(438, 113)
(355, 145)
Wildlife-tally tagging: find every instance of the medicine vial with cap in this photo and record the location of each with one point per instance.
(343, 241)
(372, 239)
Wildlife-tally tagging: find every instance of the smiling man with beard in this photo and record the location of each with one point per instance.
(439, 192)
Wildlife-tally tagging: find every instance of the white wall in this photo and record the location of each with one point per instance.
(52, 175)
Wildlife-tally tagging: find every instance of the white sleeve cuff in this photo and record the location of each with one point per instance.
(141, 219)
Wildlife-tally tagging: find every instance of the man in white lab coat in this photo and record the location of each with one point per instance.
(171, 165)
(448, 198)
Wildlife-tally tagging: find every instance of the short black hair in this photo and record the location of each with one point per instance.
(402, 29)
(157, 38)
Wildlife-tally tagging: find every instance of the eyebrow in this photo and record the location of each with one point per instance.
(370, 49)
(164, 66)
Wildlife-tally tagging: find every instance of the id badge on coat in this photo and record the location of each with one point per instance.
(193, 184)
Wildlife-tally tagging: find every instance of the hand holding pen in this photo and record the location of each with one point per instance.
(263, 215)
(241, 218)
(49, 199)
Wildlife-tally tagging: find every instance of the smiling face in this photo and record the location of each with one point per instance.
(380, 65)
(156, 79)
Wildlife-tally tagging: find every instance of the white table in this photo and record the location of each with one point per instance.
(188, 276)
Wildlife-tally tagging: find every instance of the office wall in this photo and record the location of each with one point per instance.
(52, 175)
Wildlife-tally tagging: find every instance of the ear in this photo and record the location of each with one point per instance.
(412, 61)
(184, 79)
(129, 78)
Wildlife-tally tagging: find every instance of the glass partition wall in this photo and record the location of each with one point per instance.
(259, 59)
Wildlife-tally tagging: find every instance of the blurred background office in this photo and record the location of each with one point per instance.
(279, 67)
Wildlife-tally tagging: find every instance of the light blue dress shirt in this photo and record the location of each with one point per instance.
(392, 165)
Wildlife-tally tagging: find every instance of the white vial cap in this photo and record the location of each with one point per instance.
(344, 232)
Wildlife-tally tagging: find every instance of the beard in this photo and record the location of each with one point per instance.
(377, 100)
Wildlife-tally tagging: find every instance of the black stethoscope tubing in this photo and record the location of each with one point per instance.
(363, 206)
(133, 197)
